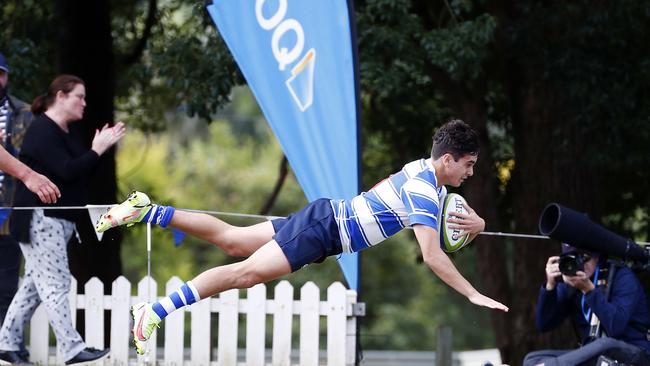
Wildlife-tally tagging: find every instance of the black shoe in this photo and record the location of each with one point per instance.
(24, 355)
(88, 355)
(12, 358)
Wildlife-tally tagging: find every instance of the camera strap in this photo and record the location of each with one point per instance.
(587, 313)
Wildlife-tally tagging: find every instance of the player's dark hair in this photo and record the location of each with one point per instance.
(456, 138)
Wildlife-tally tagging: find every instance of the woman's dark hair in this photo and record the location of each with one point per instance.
(64, 83)
(456, 138)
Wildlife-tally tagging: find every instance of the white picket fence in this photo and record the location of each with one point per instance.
(339, 309)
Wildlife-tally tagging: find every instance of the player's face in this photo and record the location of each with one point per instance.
(462, 169)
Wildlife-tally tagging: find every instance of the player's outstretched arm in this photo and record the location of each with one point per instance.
(482, 300)
(444, 268)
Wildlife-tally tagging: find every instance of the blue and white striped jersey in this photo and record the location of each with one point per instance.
(411, 196)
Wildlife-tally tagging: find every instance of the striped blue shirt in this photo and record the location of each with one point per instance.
(411, 196)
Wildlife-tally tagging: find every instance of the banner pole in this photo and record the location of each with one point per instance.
(357, 97)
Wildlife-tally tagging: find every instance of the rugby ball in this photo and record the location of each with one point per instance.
(451, 240)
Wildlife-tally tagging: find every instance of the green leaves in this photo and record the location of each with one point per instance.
(463, 49)
(186, 64)
(26, 41)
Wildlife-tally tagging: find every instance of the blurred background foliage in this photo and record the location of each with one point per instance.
(558, 92)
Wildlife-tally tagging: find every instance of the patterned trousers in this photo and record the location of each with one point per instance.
(47, 280)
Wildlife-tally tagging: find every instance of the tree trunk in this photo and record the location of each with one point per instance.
(546, 171)
(282, 176)
(86, 50)
(482, 194)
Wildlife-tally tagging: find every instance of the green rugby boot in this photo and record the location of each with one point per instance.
(126, 213)
(145, 320)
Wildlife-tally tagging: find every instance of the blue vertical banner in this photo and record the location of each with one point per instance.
(298, 59)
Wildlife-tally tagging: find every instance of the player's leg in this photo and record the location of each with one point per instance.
(239, 241)
(267, 263)
(234, 240)
(308, 236)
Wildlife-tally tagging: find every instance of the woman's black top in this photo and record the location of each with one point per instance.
(61, 157)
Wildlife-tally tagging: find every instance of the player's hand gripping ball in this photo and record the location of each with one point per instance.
(452, 240)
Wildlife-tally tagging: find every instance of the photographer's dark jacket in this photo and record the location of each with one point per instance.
(61, 157)
(623, 317)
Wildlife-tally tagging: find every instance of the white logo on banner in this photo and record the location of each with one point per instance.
(301, 81)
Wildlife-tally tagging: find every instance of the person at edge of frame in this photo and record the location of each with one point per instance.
(623, 315)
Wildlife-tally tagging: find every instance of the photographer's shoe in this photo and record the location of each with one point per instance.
(87, 355)
(126, 213)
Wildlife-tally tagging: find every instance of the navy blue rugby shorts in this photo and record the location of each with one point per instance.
(309, 235)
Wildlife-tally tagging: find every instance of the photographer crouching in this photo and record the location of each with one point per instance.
(612, 318)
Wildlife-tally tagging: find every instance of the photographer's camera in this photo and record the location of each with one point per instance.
(571, 263)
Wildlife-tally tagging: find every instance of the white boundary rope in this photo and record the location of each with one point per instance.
(267, 217)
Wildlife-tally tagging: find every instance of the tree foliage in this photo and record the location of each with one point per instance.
(557, 91)
(558, 83)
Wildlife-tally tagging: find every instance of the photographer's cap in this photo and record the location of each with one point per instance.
(3, 63)
(568, 248)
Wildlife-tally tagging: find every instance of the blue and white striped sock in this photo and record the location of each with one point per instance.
(159, 214)
(186, 295)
